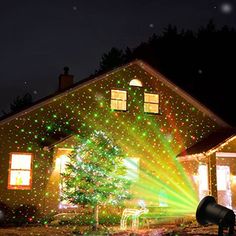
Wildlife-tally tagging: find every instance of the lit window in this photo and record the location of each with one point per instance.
(20, 171)
(61, 163)
(135, 82)
(223, 178)
(203, 188)
(151, 103)
(203, 178)
(132, 167)
(118, 100)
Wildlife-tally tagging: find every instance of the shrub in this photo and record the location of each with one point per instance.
(5, 214)
(85, 219)
(24, 214)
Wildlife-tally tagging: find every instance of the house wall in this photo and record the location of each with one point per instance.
(154, 138)
(212, 161)
(230, 147)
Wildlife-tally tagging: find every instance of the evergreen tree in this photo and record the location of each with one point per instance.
(112, 59)
(94, 174)
(20, 103)
(198, 61)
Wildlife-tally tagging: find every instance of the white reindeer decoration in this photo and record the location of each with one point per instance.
(134, 214)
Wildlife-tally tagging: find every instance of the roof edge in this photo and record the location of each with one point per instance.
(183, 93)
(84, 82)
(211, 150)
(221, 144)
(52, 97)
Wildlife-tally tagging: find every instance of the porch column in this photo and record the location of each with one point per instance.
(212, 176)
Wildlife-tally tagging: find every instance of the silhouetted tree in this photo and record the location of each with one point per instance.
(21, 102)
(198, 61)
(111, 59)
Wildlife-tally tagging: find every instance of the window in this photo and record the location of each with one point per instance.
(132, 166)
(20, 172)
(151, 103)
(203, 178)
(118, 100)
(203, 188)
(61, 163)
(135, 82)
(223, 178)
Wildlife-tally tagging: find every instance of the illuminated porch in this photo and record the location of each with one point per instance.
(211, 164)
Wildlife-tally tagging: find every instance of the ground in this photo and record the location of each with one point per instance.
(161, 230)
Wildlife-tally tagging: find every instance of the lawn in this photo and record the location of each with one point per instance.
(80, 224)
(48, 230)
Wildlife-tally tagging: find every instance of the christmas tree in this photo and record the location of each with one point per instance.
(94, 174)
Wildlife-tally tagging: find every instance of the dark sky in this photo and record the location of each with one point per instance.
(39, 37)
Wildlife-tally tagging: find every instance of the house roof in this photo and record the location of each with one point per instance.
(93, 79)
(210, 143)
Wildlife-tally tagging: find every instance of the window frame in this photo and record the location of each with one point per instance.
(158, 103)
(126, 101)
(20, 187)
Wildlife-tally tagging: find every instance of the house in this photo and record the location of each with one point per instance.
(148, 116)
(211, 163)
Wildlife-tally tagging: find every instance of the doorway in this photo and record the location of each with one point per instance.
(224, 193)
(224, 186)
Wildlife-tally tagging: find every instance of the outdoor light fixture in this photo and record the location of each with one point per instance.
(208, 211)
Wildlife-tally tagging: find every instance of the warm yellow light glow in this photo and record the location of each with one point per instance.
(224, 185)
(60, 167)
(135, 82)
(151, 97)
(203, 178)
(61, 163)
(223, 178)
(19, 178)
(118, 100)
(226, 154)
(21, 161)
(118, 94)
(233, 179)
(195, 179)
(20, 172)
(203, 188)
(151, 107)
(118, 105)
(151, 103)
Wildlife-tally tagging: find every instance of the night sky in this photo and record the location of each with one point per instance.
(40, 37)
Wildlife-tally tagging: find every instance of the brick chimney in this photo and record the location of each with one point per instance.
(65, 80)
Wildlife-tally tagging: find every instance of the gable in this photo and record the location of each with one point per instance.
(183, 94)
(141, 64)
(87, 107)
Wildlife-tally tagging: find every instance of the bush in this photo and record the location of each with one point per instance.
(24, 214)
(110, 219)
(5, 214)
(46, 219)
(85, 219)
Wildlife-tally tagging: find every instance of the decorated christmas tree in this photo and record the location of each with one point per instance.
(95, 174)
